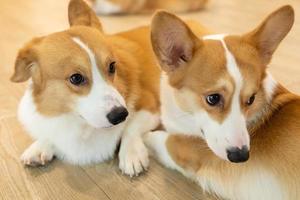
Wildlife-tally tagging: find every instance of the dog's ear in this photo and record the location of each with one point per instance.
(172, 41)
(267, 36)
(81, 14)
(26, 61)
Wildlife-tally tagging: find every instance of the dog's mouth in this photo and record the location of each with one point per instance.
(103, 127)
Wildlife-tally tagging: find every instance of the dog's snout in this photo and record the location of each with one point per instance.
(117, 115)
(237, 155)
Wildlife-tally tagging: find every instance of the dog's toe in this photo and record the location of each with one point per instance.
(133, 158)
(36, 155)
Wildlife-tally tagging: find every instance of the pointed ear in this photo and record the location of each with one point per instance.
(172, 41)
(267, 36)
(81, 14)
(26, 61)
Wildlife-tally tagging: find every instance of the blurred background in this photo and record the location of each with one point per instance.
(22, 20)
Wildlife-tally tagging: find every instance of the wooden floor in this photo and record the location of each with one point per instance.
(22, 20)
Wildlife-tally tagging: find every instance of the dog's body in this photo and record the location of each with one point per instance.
(82, 84)
(216, 96)
(145, 6)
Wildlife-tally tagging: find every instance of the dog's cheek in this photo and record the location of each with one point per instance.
(54, 100)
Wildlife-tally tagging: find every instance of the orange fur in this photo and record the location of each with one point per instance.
(273, 124)
(43, 59)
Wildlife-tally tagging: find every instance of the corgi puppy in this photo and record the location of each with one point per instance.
(229, 125)
(87, 90)
(107, 7)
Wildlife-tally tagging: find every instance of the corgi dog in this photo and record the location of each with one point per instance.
(229, 125)
(107, 7)
(87, 91)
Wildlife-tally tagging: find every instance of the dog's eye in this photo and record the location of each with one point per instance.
(213, 99)
(251, 100)
(77, 79)
(112, 68)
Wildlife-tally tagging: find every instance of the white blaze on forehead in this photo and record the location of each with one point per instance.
(232, 132)
(235, 121)
(102, 97)
(231, 63)
(96, 75)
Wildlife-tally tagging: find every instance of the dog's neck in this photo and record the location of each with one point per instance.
(280, 97)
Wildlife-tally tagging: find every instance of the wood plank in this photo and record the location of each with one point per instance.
(55, 181)
(157, 183)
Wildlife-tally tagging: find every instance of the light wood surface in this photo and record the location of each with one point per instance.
(22, 20)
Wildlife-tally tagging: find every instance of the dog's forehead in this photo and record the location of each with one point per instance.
(208, 69)
(60, 50)
(226, 56)
(247, 60)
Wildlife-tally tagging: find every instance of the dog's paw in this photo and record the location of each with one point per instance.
(37, 154)
(133, 157)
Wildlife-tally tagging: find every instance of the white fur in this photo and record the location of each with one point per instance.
(269, 85)
(156, 142)
(71, 138)
(106, 7)
(256, 184)
(172, 116)
(81, 136)
(233, 128)
(40, 152)
(133, 155)
(101, 99)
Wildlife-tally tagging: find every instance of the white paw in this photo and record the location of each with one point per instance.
(133, 157)
(37, 154)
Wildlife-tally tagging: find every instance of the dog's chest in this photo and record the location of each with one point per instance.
(73, 140)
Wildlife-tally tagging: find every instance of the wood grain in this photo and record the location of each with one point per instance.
(23, 20)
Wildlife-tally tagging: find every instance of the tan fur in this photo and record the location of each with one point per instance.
(275, 131)
(274, 148)
(51, 60)
(146, 6)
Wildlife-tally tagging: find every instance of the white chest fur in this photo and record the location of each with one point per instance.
(73, 140)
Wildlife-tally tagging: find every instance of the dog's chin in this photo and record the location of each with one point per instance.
(219, 153)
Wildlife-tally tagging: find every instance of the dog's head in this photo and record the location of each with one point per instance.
(221, 80)
(75, 71)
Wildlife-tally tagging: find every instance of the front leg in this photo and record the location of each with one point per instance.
(38, 153)
(133, 155)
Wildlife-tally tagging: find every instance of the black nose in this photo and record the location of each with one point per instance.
(237, 155)
(117, 115)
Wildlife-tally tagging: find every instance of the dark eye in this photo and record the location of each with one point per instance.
(213, 99)
(77, 79)
(250, 100)
(112, 68)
